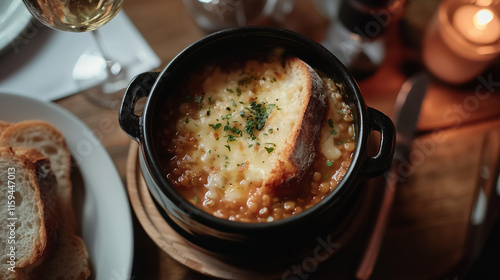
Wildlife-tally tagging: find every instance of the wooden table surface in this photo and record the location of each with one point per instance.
(427, 228)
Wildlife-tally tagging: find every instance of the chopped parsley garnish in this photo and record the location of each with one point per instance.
(186, 120)
(233, 129)
(246, 80)
(193, 99)
(198, 99)
(269, 149)
(330, 123)
(216, 126)
(228, 147)
(259, 113)
(230, 138)
(250, 126)
(329, 163)
(334, 132)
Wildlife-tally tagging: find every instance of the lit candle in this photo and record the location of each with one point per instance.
(477, 24)
(462, 40)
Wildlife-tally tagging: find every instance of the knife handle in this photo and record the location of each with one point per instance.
(370, 256)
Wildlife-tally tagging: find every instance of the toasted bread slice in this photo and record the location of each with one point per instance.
(44, 137)
(68, 262)
(3, 126)
(256, 124)
(300, 126)
(70, 251)
(30, 222)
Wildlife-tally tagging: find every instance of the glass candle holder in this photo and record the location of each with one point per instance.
(462, 39)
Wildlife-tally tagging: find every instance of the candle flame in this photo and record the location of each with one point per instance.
(482, 18)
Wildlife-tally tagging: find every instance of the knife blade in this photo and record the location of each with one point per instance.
(484, 214)
(407, 110)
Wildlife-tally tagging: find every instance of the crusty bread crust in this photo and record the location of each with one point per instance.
(300, 150)
(3, 126)
(47, 186)
(69, 259)
(42, 183)
(43, 136)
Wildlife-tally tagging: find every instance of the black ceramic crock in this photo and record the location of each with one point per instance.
(243, 241)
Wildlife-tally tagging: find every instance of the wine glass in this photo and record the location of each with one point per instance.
(105, 87)
(215, 15)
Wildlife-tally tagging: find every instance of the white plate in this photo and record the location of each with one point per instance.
(14, 18)
(106, 217)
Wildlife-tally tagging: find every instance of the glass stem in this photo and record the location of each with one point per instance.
(95, 34)
(104, 54)
(114, 70)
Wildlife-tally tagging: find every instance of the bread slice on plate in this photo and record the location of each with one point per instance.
(3, 126)
(44, 137)
(70, 258)
(68, 262)
(29, 218)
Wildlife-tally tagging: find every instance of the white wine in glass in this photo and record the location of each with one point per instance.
(74, 15)
(82, 16)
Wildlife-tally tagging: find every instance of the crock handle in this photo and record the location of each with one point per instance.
(139, 87)
(375, 166)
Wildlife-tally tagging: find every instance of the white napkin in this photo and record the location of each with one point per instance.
(43, 67)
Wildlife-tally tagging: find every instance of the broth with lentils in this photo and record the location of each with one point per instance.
(218, 121)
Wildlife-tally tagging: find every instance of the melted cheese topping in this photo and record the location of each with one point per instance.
(234, 123)
(240, 127)
(223, 131)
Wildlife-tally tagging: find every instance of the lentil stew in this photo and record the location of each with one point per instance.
(214, 123)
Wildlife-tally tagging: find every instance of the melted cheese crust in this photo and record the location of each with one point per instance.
(219, 165)
(233, 157)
